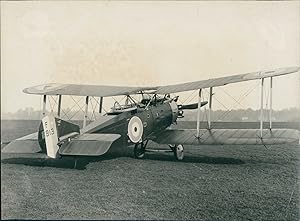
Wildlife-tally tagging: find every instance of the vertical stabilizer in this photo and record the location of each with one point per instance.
(51, 137)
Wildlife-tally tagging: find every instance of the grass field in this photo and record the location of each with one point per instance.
(212, 183)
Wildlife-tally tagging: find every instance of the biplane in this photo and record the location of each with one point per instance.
(138, 121)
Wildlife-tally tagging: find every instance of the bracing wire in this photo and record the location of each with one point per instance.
(93, 109)
(76, 112)
(242, 97)
(99, 104)
(55, 100)
(81, 108)
(189, 97)
(50, 104)
(249, 91)
(232, 97)
(76, 104)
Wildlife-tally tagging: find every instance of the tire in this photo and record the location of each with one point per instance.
(139, 151)
(179, 152)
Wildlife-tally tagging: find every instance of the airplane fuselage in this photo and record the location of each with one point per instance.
(154, 119)
(148, 122)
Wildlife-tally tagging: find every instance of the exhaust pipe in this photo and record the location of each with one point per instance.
(188, 107)
(191, 106)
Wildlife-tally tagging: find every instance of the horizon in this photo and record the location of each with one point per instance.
(234, 115)
(238, 109)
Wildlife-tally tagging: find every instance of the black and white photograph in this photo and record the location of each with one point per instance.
(150, 110)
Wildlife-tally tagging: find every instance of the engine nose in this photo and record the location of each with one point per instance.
(175, 112)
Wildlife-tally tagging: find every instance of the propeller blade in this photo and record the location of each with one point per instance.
(191, 106)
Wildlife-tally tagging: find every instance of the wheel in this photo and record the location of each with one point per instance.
(139, 150)
(178, 152)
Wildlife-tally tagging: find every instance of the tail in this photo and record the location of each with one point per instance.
(56, 131)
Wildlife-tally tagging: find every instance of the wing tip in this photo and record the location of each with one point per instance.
(43, 88)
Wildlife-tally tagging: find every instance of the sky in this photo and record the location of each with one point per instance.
(148, 43)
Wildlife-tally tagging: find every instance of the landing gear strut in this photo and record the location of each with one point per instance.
(140, 149)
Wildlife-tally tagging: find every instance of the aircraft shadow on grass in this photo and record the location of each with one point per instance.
(82, 162)
(196, 159)
(68, 163)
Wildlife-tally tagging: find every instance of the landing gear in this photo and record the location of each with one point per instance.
(178, 152)
(172, 147)
(140, 149)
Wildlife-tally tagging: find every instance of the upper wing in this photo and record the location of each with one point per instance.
(214, 82)
(84, 90)
(107, 91)
(227, 136)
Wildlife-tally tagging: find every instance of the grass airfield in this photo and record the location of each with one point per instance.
(211, 183)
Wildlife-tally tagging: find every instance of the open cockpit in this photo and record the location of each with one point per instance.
(132, 104)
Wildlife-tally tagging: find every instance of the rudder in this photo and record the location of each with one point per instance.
(51, 136)
(53, 131)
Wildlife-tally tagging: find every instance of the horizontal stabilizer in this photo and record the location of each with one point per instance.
(89, 145)
(26, 144)
(228, 136)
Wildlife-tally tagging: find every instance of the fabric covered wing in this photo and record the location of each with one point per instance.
(227, 136)
(214, 82)
(89, 145)
(107, 91)
(84, 90)
(26, 144)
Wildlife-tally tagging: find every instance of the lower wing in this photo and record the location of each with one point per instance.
(228, 136)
